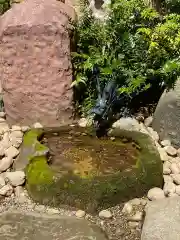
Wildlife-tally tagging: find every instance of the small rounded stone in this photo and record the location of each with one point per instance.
(52, 210)
(40, 208)
(178, 190)
(173, 195)
(6, 190)
(25, 128)
(163, 155)
(169, 188)
(15, 128)
(105, 214)
(127, 209)
(148, 121)
(171, 151)
(80, 213)
(174, 168)
(166, 167)
(83, 122)
(112, 138)
(155, 194)
(144, 202)
(176, 178)
(165, 143)
(37, 125)
(167, 178)
(135, 201)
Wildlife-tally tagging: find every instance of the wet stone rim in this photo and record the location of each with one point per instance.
(89, 194)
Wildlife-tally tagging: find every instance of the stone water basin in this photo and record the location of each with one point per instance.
(85, 172)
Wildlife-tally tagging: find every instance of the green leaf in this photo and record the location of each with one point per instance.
(106, 71)
(79, 79)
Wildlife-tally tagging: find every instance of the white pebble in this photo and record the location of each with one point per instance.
(163, 155)
(154, 134)
(83, 122)
(174, 168)
(171, 151)
(15, 178)
(148, 121)
(11, 152)
(16, 138)
(52, 210)
(175, 159)
(6, 190)
(80, 213)
(166, 167)
(135, 201)
(173, 194)
(176, 178)
(178, 190)
(15, 128)
(5, 163)
(105, 214)
(165, 143)
(169, 188)
(155, 194)
(16, 134)
(167, 178)
(3, 127)
(40, 208)
(37, 125)
(144, 202)
(25, 128)
(127, 209)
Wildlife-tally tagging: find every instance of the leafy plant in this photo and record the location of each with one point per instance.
(4, 5)
(173, 6)
(135, 47)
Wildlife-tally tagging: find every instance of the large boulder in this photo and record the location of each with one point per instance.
(18, 225)
(167, 116)
(162, 220)
(35, 65)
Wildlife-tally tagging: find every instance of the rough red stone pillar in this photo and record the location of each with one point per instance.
(35, 64)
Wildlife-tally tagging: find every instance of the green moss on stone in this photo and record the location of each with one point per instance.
(32, 136)
(40, 177)
(97, 191)
(39, 172)
(30, 148)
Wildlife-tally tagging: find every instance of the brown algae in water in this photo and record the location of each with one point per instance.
(88, 156)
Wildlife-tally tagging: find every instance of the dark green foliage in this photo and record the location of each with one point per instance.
(173, 6)
(134, 46)
(4, 6)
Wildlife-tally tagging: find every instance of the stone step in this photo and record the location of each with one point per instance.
(16, 225)
(162, 220)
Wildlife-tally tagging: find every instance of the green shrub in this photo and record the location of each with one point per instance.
(173, 6)
(4, 6)
(135, 46)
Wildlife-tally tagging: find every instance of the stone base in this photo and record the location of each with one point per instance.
(33, 226)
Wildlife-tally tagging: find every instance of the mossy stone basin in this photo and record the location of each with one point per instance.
(85, 172)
